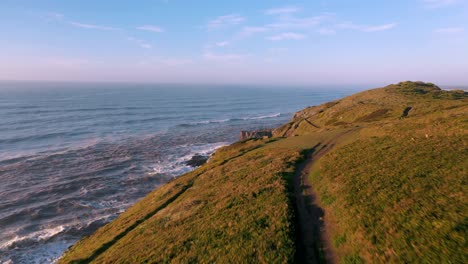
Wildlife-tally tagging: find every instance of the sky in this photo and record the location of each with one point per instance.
(313, 42)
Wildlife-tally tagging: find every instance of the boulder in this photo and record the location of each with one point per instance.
(197, 160)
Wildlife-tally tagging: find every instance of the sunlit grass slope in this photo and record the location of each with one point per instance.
(393, 189)
(398, 200)
(397, 192)
(235, 209)
(384, 106)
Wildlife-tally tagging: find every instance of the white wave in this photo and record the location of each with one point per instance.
(170, 169)
(37, 236)
(205, 122)
(44, 253)
(264, 116)
(175, 166)
(50, 251)
(212, 121)
(206, 149)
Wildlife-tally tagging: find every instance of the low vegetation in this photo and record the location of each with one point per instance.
(398, 200)
(234, 209)
(393, 189)
(396, 192)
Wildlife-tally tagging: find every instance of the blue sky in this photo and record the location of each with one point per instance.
(257, 42)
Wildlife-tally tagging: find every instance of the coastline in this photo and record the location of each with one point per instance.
(238, 206)
(79, 181)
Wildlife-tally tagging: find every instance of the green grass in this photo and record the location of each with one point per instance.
(393, 188)
(373, 106)
(234, 209)
(353, 259)
(400, 200)
(396, 188)
(339, 240)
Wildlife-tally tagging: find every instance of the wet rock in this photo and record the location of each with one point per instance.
(197, 160)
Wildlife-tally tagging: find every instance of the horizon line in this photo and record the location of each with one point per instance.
(314, 85)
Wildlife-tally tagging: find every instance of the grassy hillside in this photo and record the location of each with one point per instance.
(397, 200)
(386, 105)
(234, 209)
(396, 192)
(393, 189)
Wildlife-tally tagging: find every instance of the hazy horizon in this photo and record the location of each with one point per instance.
(261, 43)
(125, 84)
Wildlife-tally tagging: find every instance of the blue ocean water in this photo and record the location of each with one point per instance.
(75, 155)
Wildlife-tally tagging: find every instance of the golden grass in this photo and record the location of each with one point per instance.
(234, 209)
(394, 188)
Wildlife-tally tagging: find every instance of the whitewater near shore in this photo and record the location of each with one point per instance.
(75, 156)
(387, 175)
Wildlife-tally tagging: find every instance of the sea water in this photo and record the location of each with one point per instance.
(73, 156)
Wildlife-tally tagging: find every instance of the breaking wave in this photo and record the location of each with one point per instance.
(217, 121)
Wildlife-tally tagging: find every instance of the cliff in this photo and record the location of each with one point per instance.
(387, 178)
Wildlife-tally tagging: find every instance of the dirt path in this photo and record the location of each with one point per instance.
(313, 243)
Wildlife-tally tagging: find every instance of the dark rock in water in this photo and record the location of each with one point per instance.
(197, 161)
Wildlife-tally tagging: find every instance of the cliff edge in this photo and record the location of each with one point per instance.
(388, 176)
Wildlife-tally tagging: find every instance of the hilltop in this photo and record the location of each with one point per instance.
(382, 172)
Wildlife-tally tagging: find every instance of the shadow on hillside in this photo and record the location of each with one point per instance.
(309, 216)
(109, 244)
(316, 214)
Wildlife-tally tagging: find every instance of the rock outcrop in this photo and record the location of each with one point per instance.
(255, 134)
(197, 160)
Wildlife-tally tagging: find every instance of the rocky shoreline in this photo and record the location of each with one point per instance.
(197, 160)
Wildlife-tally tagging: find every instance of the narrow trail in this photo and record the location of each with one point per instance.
(313, 243)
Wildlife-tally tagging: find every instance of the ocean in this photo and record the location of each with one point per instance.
(73, 156)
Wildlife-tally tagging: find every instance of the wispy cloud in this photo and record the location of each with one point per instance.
(438, 3)
(278, 50)
(208, 55)
(222, 43)
(146, 45)
(326, 31)
(379, 28)
(59, 17)
(54, 16)
(92, 26)
(249, 31)
(286, 21)
(282, 10)
(227, 20)
(298, 23)
(366, 28)
(449, 30)
(176, 61)
(143, 44)
(151, 28)
(287, 36)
